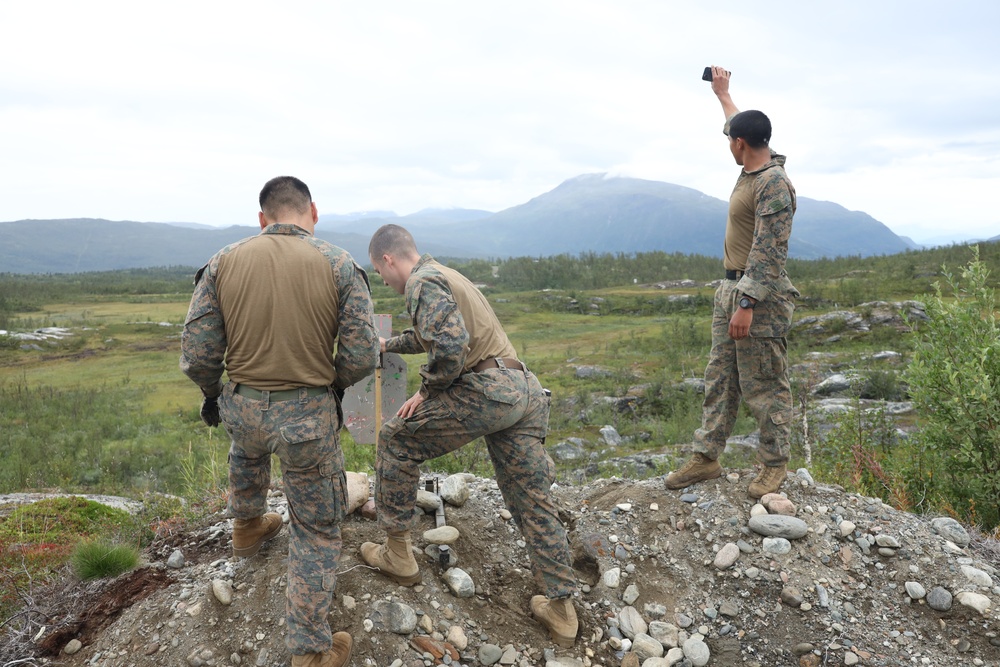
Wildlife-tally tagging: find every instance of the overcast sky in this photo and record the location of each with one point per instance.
(181, 111)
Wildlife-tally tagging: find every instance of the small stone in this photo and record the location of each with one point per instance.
(223, 591)
(846, 528)
(72, 646)
(490, 654)
(791, 596)
(777, 546)
(980, 603)
(914, 590)
(506, 515)
(779, 525)
(851, 658)
(176, 560)
(348, 602)
(631, 623)
(939, 599)
(442, 535)
(631, 594)
(951, 530)
(612, 577)
(457, 638)
(460, 583)
(394, 617)
(455, 490)
(697, 652)
(646, 647)
(427, 501)
(727, 556)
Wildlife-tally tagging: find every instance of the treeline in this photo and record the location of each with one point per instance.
(845, 279)
(913, 270)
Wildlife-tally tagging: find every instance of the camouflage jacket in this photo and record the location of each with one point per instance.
(774, 206)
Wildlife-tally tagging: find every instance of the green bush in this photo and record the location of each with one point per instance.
(954, 380)
(96, 559)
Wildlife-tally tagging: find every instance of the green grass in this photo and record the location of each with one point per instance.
(96, 559)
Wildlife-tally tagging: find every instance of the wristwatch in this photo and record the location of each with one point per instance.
(747, 303)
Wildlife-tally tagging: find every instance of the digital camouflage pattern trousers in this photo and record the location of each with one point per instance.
(304, 434)
(509, 409)
(754, 369)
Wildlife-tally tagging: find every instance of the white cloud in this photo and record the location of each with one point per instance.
(180, 112)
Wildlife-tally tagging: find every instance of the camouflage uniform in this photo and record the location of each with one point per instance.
(755, 367)
(302, 431)
(506, 406)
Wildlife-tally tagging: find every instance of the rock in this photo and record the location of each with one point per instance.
(357, 490)
(223, 591)
(951, 530)
(851, 658)
(630, 659)
(665, 633)
(368, 510)
(939, 599)
(631, 594)
(980, 603)
(673, 656)
(394, 617)
(460, 583)
(457, 638)
(791, 596)
(433, 552)
(176, 560)
(781, 505)
(631, 623)
(697, 652)
(645, 647)
(441, 535)
(776, 546)
(846, 528)
(567, 450)
(612, 577)
(427, 501)
(438, 649)
(455, 490)
(914, 590)
(727, 556)
(72, 646)
(489, 654)
(977, 576)
(887, 541)
(610, 436)
(778, 525)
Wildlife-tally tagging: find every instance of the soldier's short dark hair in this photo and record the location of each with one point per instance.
(391, 240)
(284, 193)
(752, 127)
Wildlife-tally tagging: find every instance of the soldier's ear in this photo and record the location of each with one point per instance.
(263, 220)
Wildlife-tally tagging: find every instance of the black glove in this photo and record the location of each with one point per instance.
(339, 393)
(210, 411)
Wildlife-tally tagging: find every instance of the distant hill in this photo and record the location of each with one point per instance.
(589, 213)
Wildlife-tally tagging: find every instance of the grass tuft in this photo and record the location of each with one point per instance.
(97, 559)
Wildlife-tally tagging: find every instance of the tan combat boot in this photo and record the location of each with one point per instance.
(337, 655)
(698, 468)
(559, 616)
(768, 480)
(250, 534)
(394, 558)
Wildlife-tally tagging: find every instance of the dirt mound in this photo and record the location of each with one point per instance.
(865, 585)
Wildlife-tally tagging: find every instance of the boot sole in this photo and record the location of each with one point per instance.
(246, 552)
(411, 580)
(676, 486)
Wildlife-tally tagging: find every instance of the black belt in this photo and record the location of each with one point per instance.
(283, 395)
(487, 364)
(734, 275)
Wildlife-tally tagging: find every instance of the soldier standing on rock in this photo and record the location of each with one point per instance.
(269, 310)
(473, 385)
(753, 308)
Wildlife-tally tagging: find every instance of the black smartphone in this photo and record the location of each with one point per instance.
(707, 74)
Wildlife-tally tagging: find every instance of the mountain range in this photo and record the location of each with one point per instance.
(589, 213)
